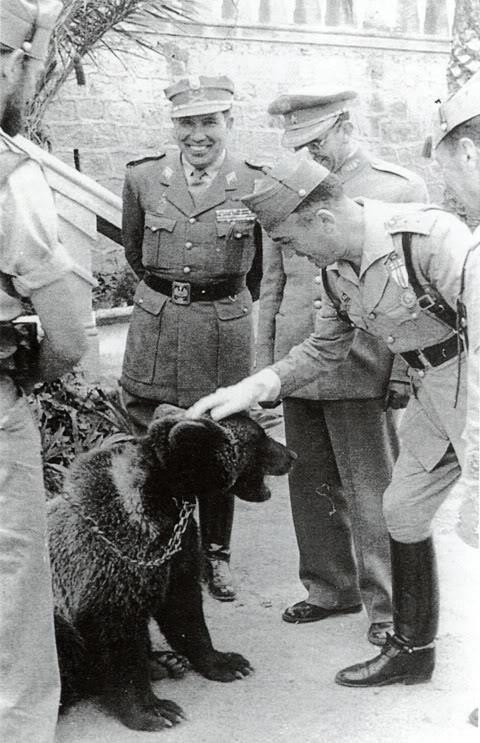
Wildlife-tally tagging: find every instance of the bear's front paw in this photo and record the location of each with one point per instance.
(156, 714)
(224, 666)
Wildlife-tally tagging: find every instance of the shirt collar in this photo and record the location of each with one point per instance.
(210, 172)
(377, 239)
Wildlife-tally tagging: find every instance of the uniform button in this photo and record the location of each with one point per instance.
(192, 220)
(186, 269)
(317, 304)
(189, 245)
(238, 235)
(421, 373)
(390, 339)
(318, 279)
(372, 315)
(302, 192)
(414, 315)
(244, 309)
(140, 301)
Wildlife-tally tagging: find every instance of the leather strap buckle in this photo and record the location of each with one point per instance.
(426, 301)
(181, 292)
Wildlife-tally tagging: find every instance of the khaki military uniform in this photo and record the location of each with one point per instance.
(30, 258)
(345, 442)
(197, 237)
(381, 302)
(178, 352)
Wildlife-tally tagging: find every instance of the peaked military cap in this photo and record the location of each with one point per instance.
(458, 108)
(202, 95)
(28, 24)
(307, 117)
(283, 190)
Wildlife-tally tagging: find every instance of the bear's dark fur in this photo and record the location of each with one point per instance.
(107, 536)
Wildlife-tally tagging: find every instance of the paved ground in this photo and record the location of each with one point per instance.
(292, 696)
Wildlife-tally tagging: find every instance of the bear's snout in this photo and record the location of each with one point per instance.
(278, 459)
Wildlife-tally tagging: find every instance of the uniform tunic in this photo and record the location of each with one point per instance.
(32, 258)
(177, 353)
(380, 302)
(338, 428)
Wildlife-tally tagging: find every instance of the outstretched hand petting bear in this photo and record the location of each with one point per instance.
(124, 549)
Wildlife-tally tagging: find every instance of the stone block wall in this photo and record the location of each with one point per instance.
(121, 114)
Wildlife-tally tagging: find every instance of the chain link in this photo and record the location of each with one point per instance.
(174, 544)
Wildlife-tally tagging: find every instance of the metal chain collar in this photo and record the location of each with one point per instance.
(174, 544)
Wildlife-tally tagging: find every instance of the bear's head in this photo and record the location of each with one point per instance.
(199, 456)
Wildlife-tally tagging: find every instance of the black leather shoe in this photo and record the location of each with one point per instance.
(396, 664)
(378, 631)
(304, 612)
(219, 579)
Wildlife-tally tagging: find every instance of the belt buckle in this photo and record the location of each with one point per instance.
(181, 292)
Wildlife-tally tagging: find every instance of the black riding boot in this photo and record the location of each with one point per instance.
(216, 520)
(408, 657)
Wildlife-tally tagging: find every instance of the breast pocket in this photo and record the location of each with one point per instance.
(156, 232)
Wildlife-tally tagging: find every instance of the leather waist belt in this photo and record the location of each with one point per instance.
(182, 292)
(434, 355)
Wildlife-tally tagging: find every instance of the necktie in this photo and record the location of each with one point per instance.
(198, 177)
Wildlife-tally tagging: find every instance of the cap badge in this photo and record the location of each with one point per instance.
(231, 177)
(194, 82)
(168, 172)
(198, 95)
(293, 119)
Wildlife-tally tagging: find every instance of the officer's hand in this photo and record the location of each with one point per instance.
(398, 394)
(264, 385)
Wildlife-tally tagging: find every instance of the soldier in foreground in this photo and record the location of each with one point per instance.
(347, 442)
(32, 264)
(395, 273)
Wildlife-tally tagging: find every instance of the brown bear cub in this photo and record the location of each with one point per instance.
(124, 550)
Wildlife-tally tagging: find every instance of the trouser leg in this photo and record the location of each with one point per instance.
(365, 443)
(29, 677)
(320, 515)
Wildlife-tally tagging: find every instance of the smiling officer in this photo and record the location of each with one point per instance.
(197, 252)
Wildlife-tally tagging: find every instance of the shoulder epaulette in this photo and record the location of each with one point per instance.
(418, 220)
(388, 167)
(146, 159)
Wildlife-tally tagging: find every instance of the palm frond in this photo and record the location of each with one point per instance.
(85, 24)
